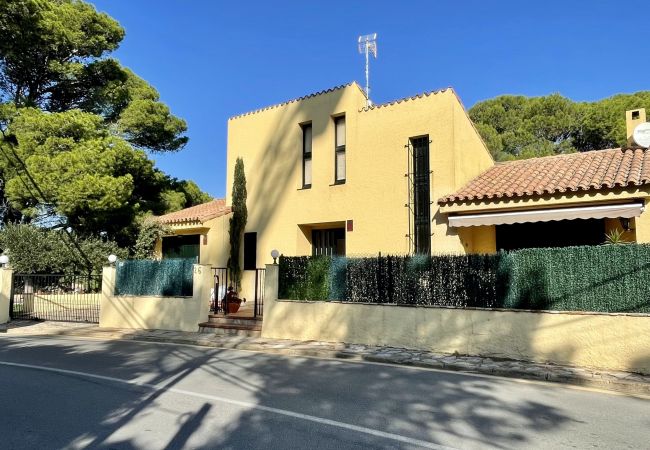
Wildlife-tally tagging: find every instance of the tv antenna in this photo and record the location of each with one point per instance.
(368, 45)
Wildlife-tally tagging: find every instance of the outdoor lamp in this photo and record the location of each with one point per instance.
(4, 260)
(275, 254)
(112, 259)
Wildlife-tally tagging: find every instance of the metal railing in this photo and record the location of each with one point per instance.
(219, 299)
(58, 297)
(258, 307)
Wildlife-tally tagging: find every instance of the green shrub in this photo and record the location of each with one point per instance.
(601, 279)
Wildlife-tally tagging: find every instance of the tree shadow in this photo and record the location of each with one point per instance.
(429, 406)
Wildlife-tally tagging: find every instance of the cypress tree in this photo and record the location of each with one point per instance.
(237, 221)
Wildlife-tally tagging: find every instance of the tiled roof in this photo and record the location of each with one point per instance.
(594, 170)
(277, 105)
(198, 213)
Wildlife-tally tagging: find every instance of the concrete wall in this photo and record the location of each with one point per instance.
(149, 312)
(375, 192)
(606, 341)
(6, 278)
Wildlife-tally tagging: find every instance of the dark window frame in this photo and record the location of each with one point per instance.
(338, 149)
(248, 253)
(422, 194)
(307, 156)
(325, 241)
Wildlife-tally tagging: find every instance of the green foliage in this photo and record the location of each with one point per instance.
(600, 279)
(37, 250)
(305, 278)
(167, 277)
(150, 232)
(237, 221)
(615, 237)
(518, 127)
(74, 124)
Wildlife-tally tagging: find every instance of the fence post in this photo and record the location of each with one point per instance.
(6, 282)
(271, 281)
(108, 291)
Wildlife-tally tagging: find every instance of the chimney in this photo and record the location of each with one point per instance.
(632, 119)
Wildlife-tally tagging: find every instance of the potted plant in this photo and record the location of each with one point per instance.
(231, 302)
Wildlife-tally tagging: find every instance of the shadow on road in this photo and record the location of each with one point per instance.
(423, 405)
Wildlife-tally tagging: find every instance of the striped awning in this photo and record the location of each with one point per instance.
(546, 215)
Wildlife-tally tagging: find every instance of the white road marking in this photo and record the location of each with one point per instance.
(284, 412)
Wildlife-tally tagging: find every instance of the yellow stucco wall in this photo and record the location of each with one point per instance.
(149, 312)
(605, 341)
(6, 278)
(376, 190)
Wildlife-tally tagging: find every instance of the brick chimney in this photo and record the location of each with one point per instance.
(632, 119)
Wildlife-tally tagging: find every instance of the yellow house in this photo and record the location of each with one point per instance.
(329, 175)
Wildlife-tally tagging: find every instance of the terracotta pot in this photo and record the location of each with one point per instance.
(233, 307)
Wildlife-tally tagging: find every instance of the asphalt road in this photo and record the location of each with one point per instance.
(65, 393)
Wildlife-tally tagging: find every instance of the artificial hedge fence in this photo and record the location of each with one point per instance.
(167, 277)
(609, 278)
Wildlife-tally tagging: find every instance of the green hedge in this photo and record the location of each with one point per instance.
(613, 278)
(167, 277)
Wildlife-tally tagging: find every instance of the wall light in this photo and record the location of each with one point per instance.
(4, 260)
(275, 254)
(625, 223)
(112, 259)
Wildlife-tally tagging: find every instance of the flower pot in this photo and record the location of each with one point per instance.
(233, 307)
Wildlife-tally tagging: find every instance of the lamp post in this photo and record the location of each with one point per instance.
(4, 260)
(275, 254)
(112, 259)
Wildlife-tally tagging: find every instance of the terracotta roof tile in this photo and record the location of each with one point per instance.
(601, 169)
(198, 213)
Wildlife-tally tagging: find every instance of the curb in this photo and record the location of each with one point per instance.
(535, 372)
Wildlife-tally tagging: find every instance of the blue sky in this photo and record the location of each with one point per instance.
(214, 59)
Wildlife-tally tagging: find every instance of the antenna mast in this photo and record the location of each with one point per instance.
(368, 45)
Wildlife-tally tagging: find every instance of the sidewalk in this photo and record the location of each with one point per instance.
(624, 382)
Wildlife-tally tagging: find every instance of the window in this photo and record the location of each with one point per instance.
(250, 251)
(184, 246)
(328, 242)
(306, 156)
(422, 196)
(339, 150)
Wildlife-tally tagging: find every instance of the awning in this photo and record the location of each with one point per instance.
(546, 215)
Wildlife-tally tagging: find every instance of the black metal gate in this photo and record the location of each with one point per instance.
(219, 297)
(70, 298)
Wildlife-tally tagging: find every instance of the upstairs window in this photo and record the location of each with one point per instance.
(306, 155)
(339, 150)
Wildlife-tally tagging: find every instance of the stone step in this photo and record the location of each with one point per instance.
(234, 320)
(231, 330)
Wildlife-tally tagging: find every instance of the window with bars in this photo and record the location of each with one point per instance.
(306, 155)
(422, 196)
(329, 242)
(339, 150)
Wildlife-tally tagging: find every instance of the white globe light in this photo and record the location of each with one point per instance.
(4, 259)
(112, 259)
(275, 254)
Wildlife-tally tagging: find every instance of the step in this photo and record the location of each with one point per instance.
(234, 320)
(230, 330)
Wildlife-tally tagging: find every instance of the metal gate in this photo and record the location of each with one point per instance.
(70, 298)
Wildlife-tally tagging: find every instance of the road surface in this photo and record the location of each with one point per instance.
(67, 393)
